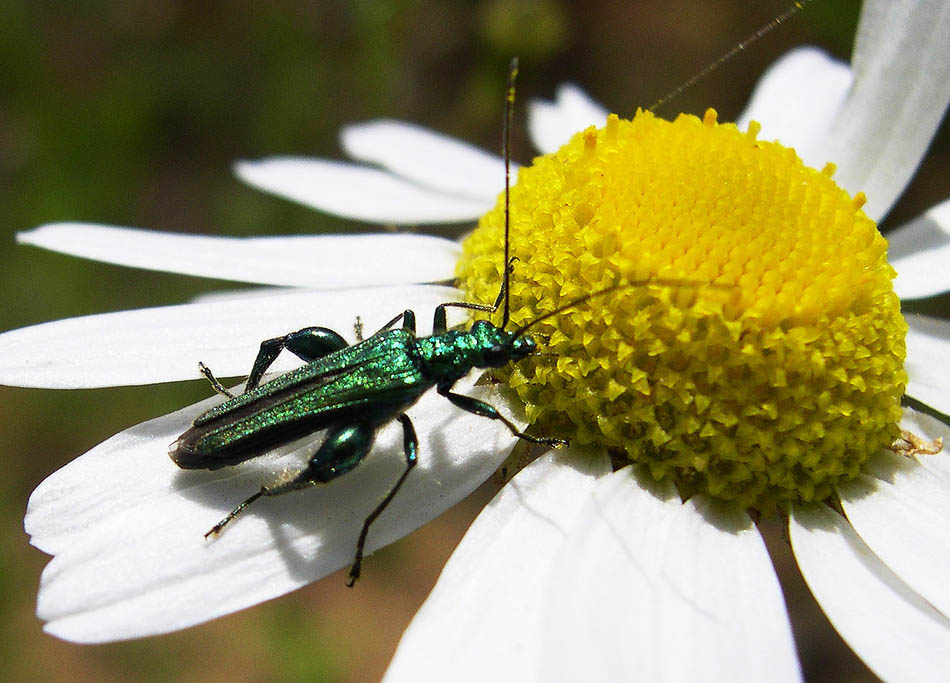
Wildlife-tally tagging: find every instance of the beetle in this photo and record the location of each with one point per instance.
(352, 391)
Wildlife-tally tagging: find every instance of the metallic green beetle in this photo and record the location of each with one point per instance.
(352, 391)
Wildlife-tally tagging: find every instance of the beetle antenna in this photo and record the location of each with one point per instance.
(506, 142)
(633, 284)
(767, 28)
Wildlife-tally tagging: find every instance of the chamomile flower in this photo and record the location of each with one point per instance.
(574, 570)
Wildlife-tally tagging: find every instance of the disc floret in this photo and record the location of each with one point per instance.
(773, 383)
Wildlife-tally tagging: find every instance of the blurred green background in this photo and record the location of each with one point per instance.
(131, 114)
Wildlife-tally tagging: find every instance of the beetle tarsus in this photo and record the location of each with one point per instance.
(216, 385)
(216, 529)
(355, 571)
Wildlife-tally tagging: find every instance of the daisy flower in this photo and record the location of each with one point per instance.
(778, 393)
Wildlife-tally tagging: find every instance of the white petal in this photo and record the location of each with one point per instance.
(488, 598)
(902, 511)
(920, 252)
(164, 344)
(126, 526)
(551, 124)
(331, 261)
(358, 192)
(796, 100)
(431, 159)
(901, 66)
(928, 348)
(648, 588)
(897, 633)
(247, 295)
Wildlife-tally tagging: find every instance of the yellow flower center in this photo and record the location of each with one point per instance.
(774, 381)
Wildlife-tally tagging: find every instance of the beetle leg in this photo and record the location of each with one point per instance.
(409, 320)
(216, 529)
(410, 448)
(341, 451)
(473, 405)
(206, 371)
(308, 344)
(439, 325)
